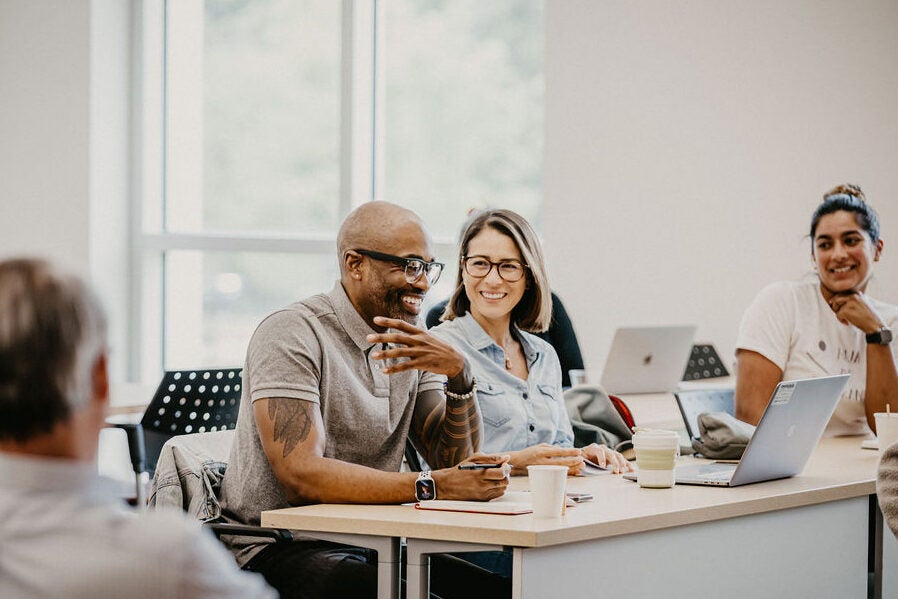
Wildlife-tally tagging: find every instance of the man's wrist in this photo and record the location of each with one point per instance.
(461, 383)
(461, 395)
(425, 487)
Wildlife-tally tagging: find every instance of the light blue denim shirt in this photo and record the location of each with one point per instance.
(516, 414)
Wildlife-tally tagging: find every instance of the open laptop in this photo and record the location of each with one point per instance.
(786, 436)
(698, 401)
(647, 359)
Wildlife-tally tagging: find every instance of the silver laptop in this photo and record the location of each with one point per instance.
(698, 401)
(786, 436)
(647, 359)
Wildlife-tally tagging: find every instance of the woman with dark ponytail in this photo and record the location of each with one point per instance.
(826, 326)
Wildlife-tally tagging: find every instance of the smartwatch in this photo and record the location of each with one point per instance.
(883, 336)
(425, 488)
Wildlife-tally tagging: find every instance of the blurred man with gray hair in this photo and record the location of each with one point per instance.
(63, 531)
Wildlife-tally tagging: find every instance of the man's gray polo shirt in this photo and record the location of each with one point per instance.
(315, 350)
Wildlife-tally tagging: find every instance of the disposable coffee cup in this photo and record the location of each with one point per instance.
(580, 376)
(886, 429)
(547, 484)
(656, 453)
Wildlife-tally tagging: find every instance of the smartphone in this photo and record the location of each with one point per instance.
(579, 497)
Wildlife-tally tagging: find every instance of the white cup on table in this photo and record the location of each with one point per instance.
(656, 453)
(547, 485)
(886, 429)
(580, 376)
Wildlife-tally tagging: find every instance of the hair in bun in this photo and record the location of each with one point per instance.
(850, 198)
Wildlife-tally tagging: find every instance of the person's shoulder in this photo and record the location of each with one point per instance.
(780, 290)
(446, 327)
(159, 531)
(167, 523)
(281, 319)
(181, 546)
(535, 340)
(791, 287)
(540, 345)
(454, 332)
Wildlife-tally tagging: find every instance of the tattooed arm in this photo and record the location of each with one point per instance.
(445, 430)
(292, 434)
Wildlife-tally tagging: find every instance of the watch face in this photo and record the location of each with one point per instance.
(425, 489)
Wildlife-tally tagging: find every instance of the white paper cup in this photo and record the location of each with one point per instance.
(580, 377)
(547, 484)
(886, 429)
(656, 453)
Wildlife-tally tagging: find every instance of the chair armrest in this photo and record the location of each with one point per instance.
(220, 528)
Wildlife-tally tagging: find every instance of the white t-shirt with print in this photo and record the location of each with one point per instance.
(790, 324)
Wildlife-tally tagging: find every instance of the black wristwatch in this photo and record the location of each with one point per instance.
(425, 488)
(883, 336)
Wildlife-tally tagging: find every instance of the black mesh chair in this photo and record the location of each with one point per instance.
(704, 363)
(186, 401)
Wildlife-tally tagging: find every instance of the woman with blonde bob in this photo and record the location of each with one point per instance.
(502, 296)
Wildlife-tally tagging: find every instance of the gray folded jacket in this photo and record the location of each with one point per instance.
(723, 436)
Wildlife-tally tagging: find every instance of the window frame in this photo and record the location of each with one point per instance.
(361, 143)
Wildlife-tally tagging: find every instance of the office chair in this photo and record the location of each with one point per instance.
(186, 401)
(412, 459)
(704, 363)
(188, 476)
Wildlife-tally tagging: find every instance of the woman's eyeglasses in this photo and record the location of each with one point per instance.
(479, 267)
(414, 267)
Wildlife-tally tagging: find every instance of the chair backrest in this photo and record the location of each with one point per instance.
(189, 472)
(191, 401)
(597, 418)
(704, 363)
(412, 459)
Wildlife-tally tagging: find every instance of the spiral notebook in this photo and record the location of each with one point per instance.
(512, 503)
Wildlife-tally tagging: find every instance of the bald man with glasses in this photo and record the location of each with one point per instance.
(333, 387)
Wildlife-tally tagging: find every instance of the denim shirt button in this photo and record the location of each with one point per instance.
(531, 428)
(525, 395)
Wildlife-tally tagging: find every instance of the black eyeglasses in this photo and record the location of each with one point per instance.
(414, 267)
(480, 266)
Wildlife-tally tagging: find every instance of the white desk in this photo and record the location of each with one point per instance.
(807, 536)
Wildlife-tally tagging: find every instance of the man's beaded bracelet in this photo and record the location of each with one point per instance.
(461, 396)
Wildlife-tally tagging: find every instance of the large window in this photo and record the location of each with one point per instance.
(264, 122)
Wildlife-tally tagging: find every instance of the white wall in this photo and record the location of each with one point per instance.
(64, 125)
(44, 130)
(687, 144)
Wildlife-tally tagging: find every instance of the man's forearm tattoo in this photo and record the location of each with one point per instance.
(454, 431)
(292, 419)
